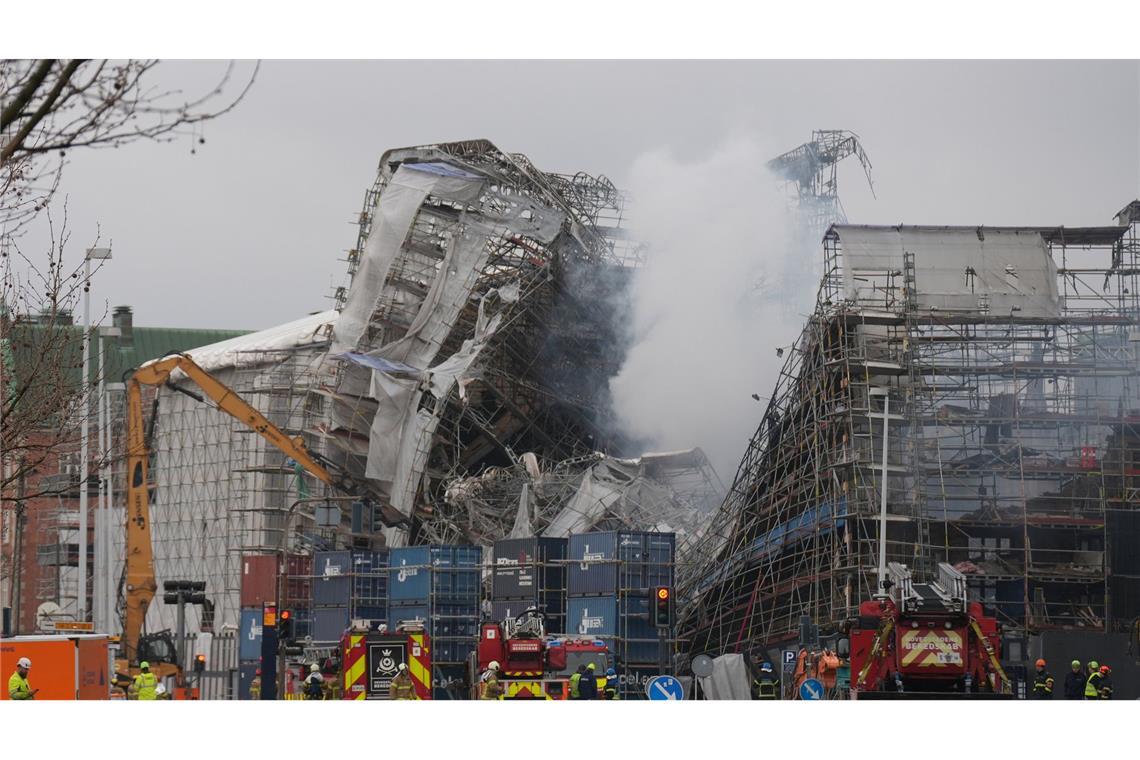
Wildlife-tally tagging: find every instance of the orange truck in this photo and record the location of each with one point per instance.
(65, 667)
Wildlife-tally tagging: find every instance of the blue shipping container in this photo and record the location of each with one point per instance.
(609, 562)
(623, 623)
(329, 624)
(370, 578)
(249, 646)
(332, 585)
(246, 673)
(553, 607)
(420, 573)
(441, 619)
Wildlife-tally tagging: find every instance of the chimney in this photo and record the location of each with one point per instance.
(123, 320)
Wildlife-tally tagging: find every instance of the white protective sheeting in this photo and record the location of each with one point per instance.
(612, 486)
(729, 680)
(244, 349)
(956, 268)
(399, 204)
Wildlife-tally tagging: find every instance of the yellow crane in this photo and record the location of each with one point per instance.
(140, 585)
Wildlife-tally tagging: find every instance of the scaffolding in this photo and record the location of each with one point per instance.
(1008, 359)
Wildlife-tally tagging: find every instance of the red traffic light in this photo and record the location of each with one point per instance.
(285, 615)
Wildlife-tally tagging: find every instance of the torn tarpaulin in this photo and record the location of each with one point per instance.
(389, 366)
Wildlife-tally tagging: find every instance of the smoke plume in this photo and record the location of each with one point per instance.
(726, 284)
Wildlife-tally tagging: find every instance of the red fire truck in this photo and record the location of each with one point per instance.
(534, 665)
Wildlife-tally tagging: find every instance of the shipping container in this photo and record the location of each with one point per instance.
(552, 606)
(622, 622)
(249, 643)
(246, 673)
(329, 624)
(422, 573)
(64, 667)
(298, 586)
(525, 568)
(258, 579)
(619, 561)
(332, 584)
(370, 578)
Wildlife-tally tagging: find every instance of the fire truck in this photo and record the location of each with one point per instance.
(925, 639)
(534, 665)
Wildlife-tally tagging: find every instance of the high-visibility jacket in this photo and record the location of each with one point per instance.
(1042, 685)
(766, 687)
(491, 687)
(574, 680)
(402, 687)
(18, 687)
(1092, 686)
(255, 688)
(145, 684)
(611, 690)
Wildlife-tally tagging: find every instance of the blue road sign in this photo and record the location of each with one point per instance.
(789, 657)
(664, 688)
(811, 690)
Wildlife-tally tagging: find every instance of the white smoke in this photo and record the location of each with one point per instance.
(726, 284)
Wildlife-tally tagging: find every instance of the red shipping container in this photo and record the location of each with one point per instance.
(258, 579)
(298, 581)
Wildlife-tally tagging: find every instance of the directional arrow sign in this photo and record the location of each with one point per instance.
(664, 688)
(811, 690)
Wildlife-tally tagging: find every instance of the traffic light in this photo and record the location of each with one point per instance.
(287, 634)
(199, 663)
(662, 606)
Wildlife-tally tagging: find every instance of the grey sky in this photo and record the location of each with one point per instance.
(247, 233)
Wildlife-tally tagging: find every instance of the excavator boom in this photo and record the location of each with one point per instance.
(141, 585)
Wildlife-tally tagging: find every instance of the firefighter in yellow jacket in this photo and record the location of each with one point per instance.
(489, 683)
(145, 683)
(402, 686)
(18, 686)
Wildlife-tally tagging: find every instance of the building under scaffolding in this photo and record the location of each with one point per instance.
(1003, 363)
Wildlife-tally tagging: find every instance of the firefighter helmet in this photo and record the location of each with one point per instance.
(1040, 663)
(494, 665)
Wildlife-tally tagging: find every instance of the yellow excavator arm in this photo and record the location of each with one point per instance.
(141, 585)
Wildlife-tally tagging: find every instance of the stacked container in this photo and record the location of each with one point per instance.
(440, 586)
(530, 572)
(347, 585)
(258, 586)
(610, 580)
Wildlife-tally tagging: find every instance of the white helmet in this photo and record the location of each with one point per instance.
(402, 667)
(494, 665)
(314, 668)
(23, 662)
(160, 690)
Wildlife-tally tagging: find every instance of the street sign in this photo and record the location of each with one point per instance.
(811, 690)
(789, 657)
(664, 689)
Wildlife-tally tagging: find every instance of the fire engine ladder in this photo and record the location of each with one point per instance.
(947, 593)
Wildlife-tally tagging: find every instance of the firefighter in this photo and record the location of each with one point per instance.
(611, 691)
(1075, 682)
(1105, 682)
(575, 682)
(255, 685)
(18, 686)
(145, 684)
(588, 684)
(1042, 682)
(402, 686)
(766, 685)
(1092, 684)
(492, 689)
(314, 683)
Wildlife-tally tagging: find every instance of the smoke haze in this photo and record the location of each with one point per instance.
(726, 283)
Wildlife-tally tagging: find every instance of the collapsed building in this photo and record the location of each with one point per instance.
(980, 383)
(461, 377)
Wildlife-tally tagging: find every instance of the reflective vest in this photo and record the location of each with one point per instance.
(1092, 686)
(402, 687)
(18, 687)
(1043, 686)
(491, 688)
(574, 679)
(255, 688)
(611, 687)
(765, 687)
(145, 683)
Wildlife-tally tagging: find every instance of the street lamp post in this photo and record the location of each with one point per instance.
(98, 254)
(103, 588)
